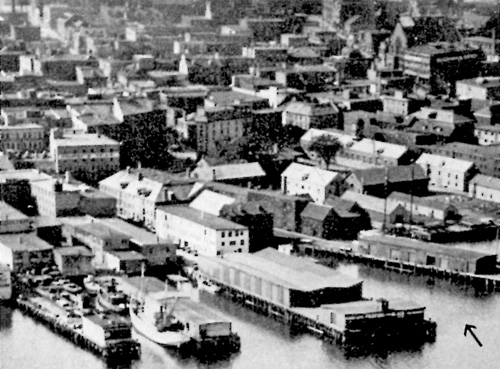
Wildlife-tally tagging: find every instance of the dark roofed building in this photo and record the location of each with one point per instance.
(254, 216)
(380, 182)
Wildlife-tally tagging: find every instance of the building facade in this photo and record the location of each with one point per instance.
(300, 179)
(22, 137)
(217, 125)
(22, 252)
(447, 173)
(205, 233)
(89, 157)
(438, 66)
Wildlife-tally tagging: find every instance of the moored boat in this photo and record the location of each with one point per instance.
(91, 285)
(110, 299)
(5, 282)
(153, 318)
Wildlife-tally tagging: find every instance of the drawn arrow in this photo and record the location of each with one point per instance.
(469, 328)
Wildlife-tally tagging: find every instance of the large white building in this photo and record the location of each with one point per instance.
(24, 251)
(206, 233)
(300, 179)
(88, 156)
(485, 188)
(447, 174)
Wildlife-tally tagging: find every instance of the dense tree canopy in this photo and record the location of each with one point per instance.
(327, 147)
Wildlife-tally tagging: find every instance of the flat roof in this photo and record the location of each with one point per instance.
(87, 139)
(128, 255)
(24, 242)
(289, 271)
(100, 230)
(30, 175)
(74, 251)
(196, 313)
(372, 306)
(200, 217)
(139, 235)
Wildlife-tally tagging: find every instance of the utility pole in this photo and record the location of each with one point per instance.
(411, 196)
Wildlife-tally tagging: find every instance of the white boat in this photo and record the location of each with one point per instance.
(152, 316)
(5, 282)
(91, 285)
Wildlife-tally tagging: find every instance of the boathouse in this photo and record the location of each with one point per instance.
(449, 258)
(283, 280)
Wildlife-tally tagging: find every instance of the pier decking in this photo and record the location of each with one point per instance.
(125, 348)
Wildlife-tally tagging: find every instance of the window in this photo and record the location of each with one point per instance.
(230, 234)
(223, 243)
(223, 234)
(232, 243)
(242, 243)
(165, 216)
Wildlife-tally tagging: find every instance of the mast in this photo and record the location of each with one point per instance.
(386, 185)
(411, 195)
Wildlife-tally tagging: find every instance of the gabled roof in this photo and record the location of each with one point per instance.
(307, 174)
(400, 173)
(211, 202)
(445, 162)
(315, 211)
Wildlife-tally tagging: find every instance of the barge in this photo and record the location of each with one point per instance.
(316, 299)
(107, 336)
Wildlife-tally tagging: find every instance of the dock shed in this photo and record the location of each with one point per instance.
(283, 280)
(450, 258)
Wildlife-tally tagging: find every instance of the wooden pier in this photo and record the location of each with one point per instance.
(482, 283)
(124, 350)
(347, 339)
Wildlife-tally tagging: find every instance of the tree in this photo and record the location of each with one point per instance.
(327, 147)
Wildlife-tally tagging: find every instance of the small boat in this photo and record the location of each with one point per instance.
(110, 299)
(72, 288)
(91, 285)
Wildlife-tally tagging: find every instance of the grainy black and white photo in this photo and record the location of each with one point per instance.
(249, 184)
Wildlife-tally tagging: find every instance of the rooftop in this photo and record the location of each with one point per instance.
(434, 248)
(445, 162)
(372, 307)
(31, 175)
(128, 255)
(289, 271)
(73, 251)
(138, 235)
(202, 218)
(8, 212)
(309, 174)
(383, 149)
(87, 139)
(24, 242)
(211, 202)
(101, 231)
(400, 173)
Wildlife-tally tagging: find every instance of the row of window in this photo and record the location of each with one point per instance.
(233, 243)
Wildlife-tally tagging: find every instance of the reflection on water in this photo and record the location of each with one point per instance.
(267, 343)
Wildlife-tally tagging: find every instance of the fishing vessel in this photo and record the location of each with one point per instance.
(5, 282)
(152, 315)
(91, 285)
(110, 299)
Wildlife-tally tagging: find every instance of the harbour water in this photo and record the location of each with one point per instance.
(25, 344)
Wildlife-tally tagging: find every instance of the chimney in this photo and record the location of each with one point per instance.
(213, 175)
(140, 177)
(385, 305)
(129, 170)
(67, 176)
